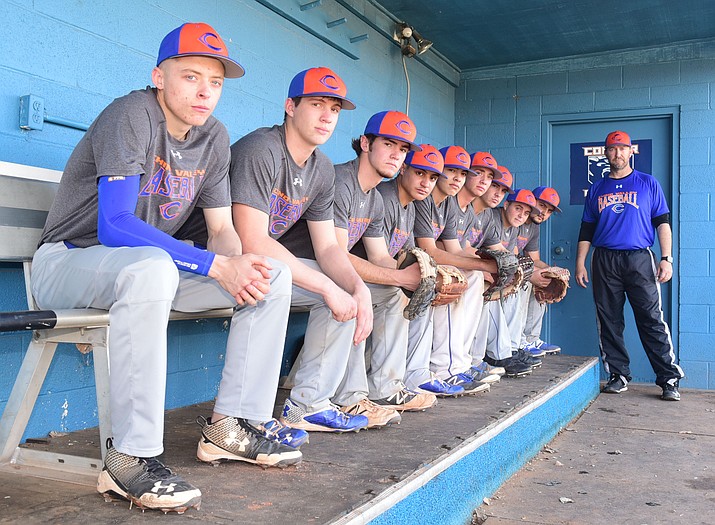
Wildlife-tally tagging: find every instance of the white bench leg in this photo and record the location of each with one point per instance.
(100, 351)
(23, 396)
(51, 465)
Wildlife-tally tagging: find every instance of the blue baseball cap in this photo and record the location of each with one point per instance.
(198, 39)
(319, 82)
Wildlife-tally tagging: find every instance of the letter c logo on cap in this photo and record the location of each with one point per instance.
(463, 158)
(204, 39)
(431, 157)
(330, 82)
(404, 127)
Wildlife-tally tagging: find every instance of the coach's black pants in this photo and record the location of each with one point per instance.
(615, 275)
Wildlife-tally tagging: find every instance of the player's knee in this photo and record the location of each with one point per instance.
(153, 276)
(281, 278)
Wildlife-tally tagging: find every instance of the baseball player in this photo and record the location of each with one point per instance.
(620, 217)
(359, 226)
(415, 182)
(282, 188)
(496, 348)
(532, 312)
(436, 220)
(514, 214)
(147, 160)
(485, 170)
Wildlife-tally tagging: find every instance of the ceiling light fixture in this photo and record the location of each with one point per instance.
(404, 34)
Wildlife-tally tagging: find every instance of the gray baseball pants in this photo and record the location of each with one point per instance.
(140, 286)
(321, 363)
(387, 351)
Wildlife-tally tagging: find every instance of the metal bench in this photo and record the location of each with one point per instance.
(26, 194)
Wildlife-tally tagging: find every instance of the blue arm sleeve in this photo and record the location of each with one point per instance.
(118, 226)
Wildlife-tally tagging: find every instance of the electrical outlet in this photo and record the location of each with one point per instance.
(32, 112)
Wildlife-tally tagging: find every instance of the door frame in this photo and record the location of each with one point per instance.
(548, 122)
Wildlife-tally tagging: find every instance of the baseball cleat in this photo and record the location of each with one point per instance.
(377, 416)
(407, 400)
(234, 438)
(330, 419)
(146, 483)
(440, 388)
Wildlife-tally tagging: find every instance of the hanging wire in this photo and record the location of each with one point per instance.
(407, 78)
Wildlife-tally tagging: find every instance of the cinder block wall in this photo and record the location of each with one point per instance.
(78, 56)
(502, 110)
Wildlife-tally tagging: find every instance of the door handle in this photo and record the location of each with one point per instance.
(558, 250)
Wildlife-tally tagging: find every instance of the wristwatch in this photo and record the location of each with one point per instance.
(668, 258)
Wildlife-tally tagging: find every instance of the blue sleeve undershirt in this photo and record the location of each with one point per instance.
(118, 226)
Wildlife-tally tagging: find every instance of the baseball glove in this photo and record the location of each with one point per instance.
(451, 284)
(509, 274)
(557, 287)
(526, 264)
(425, 293)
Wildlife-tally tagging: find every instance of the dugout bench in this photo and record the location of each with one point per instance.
(26, 194)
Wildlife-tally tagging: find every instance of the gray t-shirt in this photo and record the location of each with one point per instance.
(399, 221)
(360, 213)
(130, 138)
(438, 222)
(528, 238)
(264, 176)
(465, 224)
(480, 226)
(496, 232)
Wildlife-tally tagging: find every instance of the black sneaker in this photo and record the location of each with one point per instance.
(146, 483)
(670, 391)
(512, 366)
(525, 357)
(616, 384)
(236, 439)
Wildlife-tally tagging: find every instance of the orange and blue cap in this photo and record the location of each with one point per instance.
(319, 82)
(198, 39)
(428, 158)
(522, 196)
(394, 125)
(618, 138)
(506, 179)
(456, 157)
(482, 159)
(548, 195)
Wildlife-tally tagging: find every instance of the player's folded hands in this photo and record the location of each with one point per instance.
(245, 277)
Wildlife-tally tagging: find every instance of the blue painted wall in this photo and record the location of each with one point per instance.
(80, 55)
(503, 110)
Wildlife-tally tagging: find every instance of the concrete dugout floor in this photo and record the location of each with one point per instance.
(629, 459)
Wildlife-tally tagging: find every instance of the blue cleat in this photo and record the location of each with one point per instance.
(441, 388)
(277, 431)
(470, 386)
(542, 346)
(330, 419)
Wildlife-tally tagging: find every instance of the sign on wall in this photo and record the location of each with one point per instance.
(589, 164)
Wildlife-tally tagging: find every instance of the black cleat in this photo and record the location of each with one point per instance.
(146, 483)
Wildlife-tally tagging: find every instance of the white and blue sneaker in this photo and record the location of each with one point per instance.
(441, 388)
(543, 346)
(330, 419)
(469, 385)
(533, 350)
(277, 431)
